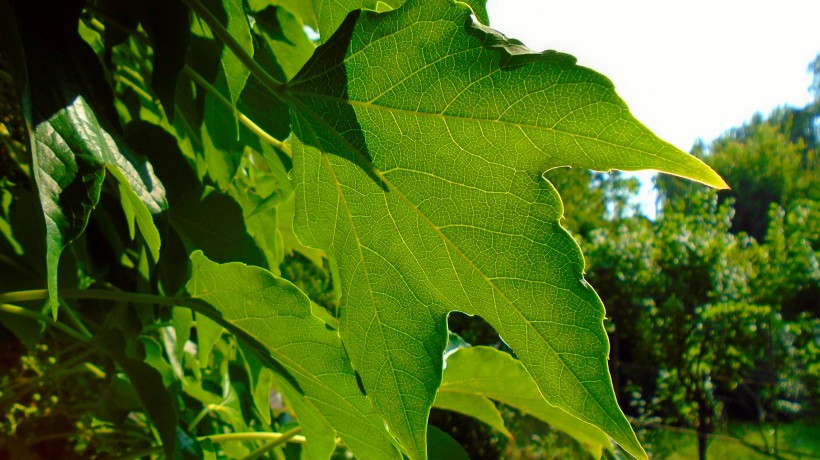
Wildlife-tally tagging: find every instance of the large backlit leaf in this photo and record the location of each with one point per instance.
(274, 317)
(423, 178)
(475, 375)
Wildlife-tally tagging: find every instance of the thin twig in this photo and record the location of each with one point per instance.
(273, 444)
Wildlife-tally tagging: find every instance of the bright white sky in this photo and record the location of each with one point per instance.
(688, 69)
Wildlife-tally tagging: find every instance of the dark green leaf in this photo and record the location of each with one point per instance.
(69, 179)
(155, 398)
(212, 222)
(441, 446)
(166, 23)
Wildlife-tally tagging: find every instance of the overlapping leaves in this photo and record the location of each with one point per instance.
(419, 143)
(275, 318)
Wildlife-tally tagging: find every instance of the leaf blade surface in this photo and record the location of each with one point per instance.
(422, 177)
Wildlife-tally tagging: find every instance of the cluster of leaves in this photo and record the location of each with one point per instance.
(181, 156)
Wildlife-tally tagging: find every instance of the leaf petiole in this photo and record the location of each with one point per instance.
(256, 129)
(284, 437)
(20, 311)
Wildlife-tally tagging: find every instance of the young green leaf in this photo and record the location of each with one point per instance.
(235, 21)
(71, 152)
(474, 405)
(274, 317)
(286, 38)
(423, 179)
(477, 374)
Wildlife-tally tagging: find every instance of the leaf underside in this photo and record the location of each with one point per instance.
(71, 153)
(422, 177)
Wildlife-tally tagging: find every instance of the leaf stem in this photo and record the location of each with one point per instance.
(286, 436)
(257, 436)
(99, 294)
(134, 87)
(256, 129)
(144, 40)
(75, 319)
(261, 74)
(20, 311)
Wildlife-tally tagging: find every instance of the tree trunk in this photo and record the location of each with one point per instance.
(705, 427)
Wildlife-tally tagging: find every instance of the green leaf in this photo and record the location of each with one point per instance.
(287, 211)
(301, 8)
(71, 151)
(236, 22)
(261, 383)
(208, 333)
(230, 81)
(181, 319)
(69, 181)
(423, 179)
(286, 38)
(274, 318)
(441, 445)
(208, 220)
(135, 210)
(481, 373)
(167, 25)
(474, 405)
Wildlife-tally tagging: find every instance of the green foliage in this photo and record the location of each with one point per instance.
(186, 155)
(751, 301)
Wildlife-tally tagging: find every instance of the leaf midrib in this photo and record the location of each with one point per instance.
(521, 126)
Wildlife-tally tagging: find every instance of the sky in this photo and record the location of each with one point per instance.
(687, 69)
